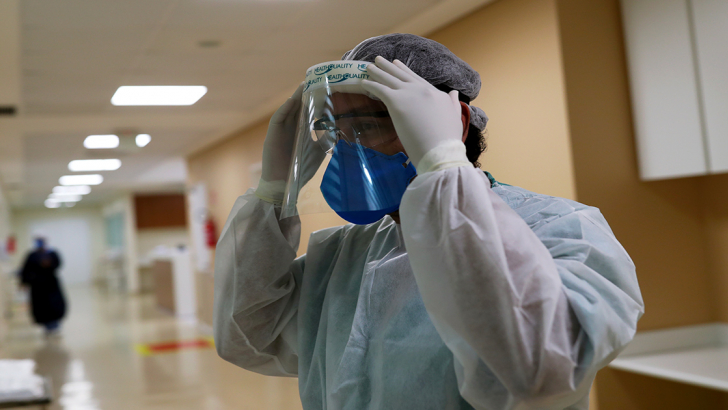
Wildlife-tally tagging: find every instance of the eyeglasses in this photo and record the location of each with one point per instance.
(366, 129)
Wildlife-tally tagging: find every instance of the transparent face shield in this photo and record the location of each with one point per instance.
(347, 157)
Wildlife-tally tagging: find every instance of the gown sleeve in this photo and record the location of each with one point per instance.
(530, 313)
(256, 288)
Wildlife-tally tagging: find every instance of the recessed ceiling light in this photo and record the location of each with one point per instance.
(72, 190)
(64, 198)
(54, 195)
(143, 139)
(94, 165)
(91, 179)
(101, 141)
(158, 94)
(51, 204)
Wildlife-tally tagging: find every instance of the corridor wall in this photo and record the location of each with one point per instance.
(714, 203)
(675, 230)
(515, 46)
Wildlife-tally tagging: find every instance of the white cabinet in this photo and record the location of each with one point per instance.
(711, 39)
(678, 59)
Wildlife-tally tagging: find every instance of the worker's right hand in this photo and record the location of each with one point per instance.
(279, 140)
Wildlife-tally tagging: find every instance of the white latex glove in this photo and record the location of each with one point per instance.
(279, 140)
(423, 116)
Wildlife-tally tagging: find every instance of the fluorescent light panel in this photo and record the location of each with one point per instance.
(72, 190)
(158, 94)
(142, 140)
(81, 165)
(101, 141)
(51, 204)
(64, 198)
(91, 179)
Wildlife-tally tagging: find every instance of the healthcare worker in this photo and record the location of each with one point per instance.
(483, 296)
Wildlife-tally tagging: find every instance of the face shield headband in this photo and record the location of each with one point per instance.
(345, 156)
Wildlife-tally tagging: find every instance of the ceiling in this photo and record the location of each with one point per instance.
(64, 60)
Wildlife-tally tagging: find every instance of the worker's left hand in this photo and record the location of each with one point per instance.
(423, 116)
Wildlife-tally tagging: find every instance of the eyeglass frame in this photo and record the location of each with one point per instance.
(376, 114)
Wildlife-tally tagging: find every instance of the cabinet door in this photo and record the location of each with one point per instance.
(711, 38)
(664, 91)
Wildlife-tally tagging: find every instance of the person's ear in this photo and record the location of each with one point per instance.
(465, 118)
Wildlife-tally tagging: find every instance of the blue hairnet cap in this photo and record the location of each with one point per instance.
(430, 60)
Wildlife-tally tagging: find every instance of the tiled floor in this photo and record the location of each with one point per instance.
(95, 364)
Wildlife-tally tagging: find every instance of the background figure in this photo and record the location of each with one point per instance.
(46, 296)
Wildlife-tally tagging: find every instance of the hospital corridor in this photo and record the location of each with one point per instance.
(347, 205)
(120, 352)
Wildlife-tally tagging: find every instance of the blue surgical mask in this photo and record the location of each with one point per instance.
(362, 185)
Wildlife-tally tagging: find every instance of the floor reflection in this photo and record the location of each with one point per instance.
(94, 364)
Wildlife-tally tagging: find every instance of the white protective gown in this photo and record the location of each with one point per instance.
(487, 296)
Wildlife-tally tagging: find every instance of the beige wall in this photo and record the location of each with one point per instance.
(514, 45)
(225, 169)
(675, 230)
(659, 223)
(629, 391)
(714, 190)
